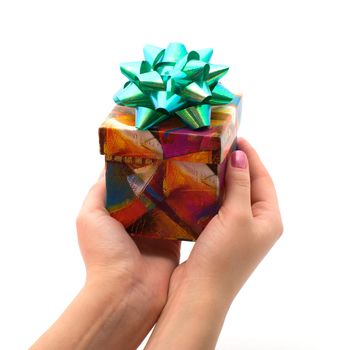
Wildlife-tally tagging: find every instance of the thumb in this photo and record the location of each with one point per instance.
(237, 184)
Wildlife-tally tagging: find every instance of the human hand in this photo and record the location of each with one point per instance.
(226, 253)
(126, 283)
(111, 254)
(127, 279)
(113, 257)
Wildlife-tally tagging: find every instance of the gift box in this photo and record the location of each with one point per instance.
(165, 175)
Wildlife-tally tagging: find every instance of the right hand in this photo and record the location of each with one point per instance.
(240, 235)
(224, 256)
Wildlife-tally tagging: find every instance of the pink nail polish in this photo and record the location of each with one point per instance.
(238, 159)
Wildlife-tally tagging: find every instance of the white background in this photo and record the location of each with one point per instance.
(59, 67)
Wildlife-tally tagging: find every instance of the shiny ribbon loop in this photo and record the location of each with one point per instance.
(172, 82)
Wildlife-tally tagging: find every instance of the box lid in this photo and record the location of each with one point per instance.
(121, 141)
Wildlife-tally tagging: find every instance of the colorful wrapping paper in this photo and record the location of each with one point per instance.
(166, 182)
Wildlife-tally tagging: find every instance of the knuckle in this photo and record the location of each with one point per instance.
(242, 180)
(221, 218)
(81, 221)
(228, 216)
(92, 188)
(224, 212)
(273, 227)
(242, 216)
(223, 221)
(279, 229)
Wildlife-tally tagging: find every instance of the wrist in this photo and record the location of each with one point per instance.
(203, 290)
(191, 319)
(198, 300)
(124, 290)
(127, 307)
(104, 315)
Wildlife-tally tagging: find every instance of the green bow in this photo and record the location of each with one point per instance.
(173, 81)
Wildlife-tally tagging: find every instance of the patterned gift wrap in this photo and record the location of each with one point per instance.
(166, 182)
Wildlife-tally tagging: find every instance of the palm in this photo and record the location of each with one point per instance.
(104, 242)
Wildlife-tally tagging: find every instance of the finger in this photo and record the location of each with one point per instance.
(96, 197)
(263, 194)
(237, 184)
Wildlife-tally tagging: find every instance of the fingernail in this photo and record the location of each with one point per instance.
(238, 159)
